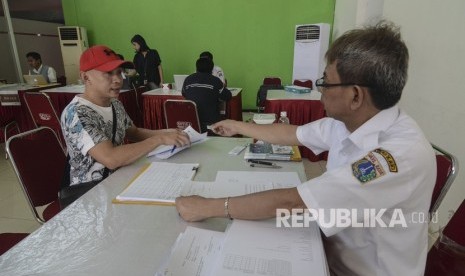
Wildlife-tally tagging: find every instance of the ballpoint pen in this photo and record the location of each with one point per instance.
(265, 166)
(261, 162)
(174, 147)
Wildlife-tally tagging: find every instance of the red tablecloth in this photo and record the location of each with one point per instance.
(154, 116)
(59, 101)
(299, 112)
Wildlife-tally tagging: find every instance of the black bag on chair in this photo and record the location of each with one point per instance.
(68, 194)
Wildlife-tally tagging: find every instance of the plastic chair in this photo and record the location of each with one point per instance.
(447, 256)
(262, 93)
(62, 80)
(7, 126)
(181, 114)
(38, 159)
(447, 169)
(272, 81)
(303, 83)
(42, 112)
(8, 240)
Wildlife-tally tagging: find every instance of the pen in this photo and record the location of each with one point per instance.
(262, 162)
(174, 147)
(265, 166)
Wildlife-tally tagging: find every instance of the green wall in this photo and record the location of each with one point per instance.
(249, 39)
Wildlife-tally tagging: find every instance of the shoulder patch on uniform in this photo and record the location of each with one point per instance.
(368, 168)
(389, 159)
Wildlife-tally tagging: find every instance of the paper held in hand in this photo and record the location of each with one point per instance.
(166, 151)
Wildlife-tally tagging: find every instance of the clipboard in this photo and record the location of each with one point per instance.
(148, 185)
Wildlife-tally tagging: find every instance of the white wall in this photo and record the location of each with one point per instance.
(435, 92)
(47, 46)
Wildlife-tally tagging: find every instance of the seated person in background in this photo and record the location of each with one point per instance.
(381, 168)
(206, 91)
(128, 75)
(37, 68)
(217, 71)
(94, 138)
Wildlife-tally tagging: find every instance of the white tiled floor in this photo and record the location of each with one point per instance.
(15, 215)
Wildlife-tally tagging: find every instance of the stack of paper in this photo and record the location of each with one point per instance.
(166, 151)
(194, 253)
(247, 248)
(158, 183)
(269, 151)
(261, 248)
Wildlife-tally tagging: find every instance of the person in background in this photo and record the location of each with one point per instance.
(147, 63)
(206, 91)
(127, 75)
(37, 68)
(95, 125)
(217, 71)
(381, 168)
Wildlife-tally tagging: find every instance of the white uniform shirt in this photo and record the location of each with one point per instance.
(218, 72)
(359, 177)
(51, 73)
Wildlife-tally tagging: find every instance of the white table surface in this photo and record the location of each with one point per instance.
(72, 88)
(8, 89)
(162, 92)
(95, 237)
(284, 95)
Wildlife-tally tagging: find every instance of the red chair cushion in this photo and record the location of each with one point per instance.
(8, 240)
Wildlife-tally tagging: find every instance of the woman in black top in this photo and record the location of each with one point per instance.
(147, 63)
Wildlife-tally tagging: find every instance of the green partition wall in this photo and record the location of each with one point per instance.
(250, 39)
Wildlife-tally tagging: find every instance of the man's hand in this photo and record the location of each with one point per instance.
(226, 128)
(194, 208)
(174, 137)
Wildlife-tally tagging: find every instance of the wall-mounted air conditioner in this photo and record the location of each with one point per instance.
(73, 41)
(310, 45)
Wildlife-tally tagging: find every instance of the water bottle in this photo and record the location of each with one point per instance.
(283, 119)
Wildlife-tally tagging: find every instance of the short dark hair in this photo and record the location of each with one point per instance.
(206, 54)
(375, 56)
(204, 65)
(34, 55)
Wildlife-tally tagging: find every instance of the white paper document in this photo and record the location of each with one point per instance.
(159, 182)
(260, 248)
(166, 151)
(236, 183)
(194, 253)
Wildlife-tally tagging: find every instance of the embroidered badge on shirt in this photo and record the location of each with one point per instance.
(367, 168)
(389, 159)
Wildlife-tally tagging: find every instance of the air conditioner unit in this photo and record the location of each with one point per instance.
(311, 44)
(73, 41)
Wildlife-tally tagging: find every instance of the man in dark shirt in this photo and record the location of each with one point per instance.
(206, 91)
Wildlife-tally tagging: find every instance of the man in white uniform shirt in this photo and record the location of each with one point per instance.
(37, 68)
(379, 162)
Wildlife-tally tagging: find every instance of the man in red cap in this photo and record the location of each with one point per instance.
(95, 125)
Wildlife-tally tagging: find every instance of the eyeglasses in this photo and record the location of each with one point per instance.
(322, 86)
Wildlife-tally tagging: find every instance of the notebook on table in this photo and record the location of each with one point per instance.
(35, 80)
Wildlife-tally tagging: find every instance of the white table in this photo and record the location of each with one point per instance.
(95, 237)
(9, 92)
(285, 95)
(174, 92)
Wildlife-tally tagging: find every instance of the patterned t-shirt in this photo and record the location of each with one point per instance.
(84, 125)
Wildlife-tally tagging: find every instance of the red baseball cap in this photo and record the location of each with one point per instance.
(101, 58)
